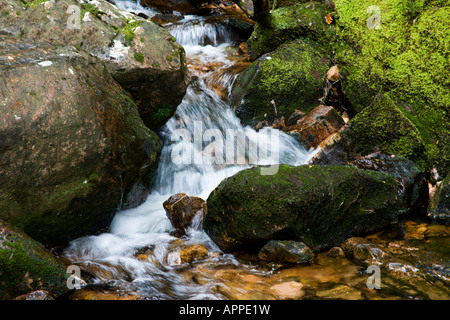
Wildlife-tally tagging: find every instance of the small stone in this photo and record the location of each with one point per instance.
(285, 251)
(333, 74)
(192, 253)
(336, 252)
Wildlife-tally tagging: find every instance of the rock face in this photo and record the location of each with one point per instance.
(285, 252)
(184, 211)
(72, 145)
(26, 266)
(317, 125)
(317, 205)
(144, 58)
(279, 83)
(439, 208)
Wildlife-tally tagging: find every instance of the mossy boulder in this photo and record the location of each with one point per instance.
(406, 56)
(280, 82)
(304, 21)
(318, 205)
(73, 148)
(27, 266)
(143, 57)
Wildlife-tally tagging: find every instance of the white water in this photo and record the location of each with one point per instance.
(147, 225)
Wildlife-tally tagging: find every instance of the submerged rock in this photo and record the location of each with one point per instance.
(317, 205)
(285, 252)
(73, 148)
(192, 253)
(27, 266)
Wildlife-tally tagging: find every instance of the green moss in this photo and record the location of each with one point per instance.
(162, 114)
(26, 265)
(128, 30)
(406, 58)
(32, 3)
(89, 7)
(139, 57)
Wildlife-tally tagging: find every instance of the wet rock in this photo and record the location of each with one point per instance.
(250, 209)
(254, 9)
(193, 253)
(144, 58)
(183, 211)
(165, 18)
(289, 290)
(317, 125)
(67, 161)
(285, 252)
(36, 295)
(336, 252)
(364, 251)
(439, 208)
(27, 266)
(278, 83)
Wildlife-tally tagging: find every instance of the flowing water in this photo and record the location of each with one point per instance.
(139, 258)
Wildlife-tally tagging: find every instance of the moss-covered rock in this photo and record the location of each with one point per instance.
(27, 266)
(407, 57)
(280, 82)
(73, 148)
(304, 21)
(317, 205)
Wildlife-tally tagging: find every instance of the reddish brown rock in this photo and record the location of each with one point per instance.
(181, 210)
(317, 125)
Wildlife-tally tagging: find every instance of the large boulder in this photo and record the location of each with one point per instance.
(73, 148)
(280, 82)
(317, 205)
(144, 58)
(27, 266)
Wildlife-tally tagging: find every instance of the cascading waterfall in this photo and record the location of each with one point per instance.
(112, 255)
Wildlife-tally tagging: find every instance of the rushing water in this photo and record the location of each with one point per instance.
(110, 258)
(139, 257)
